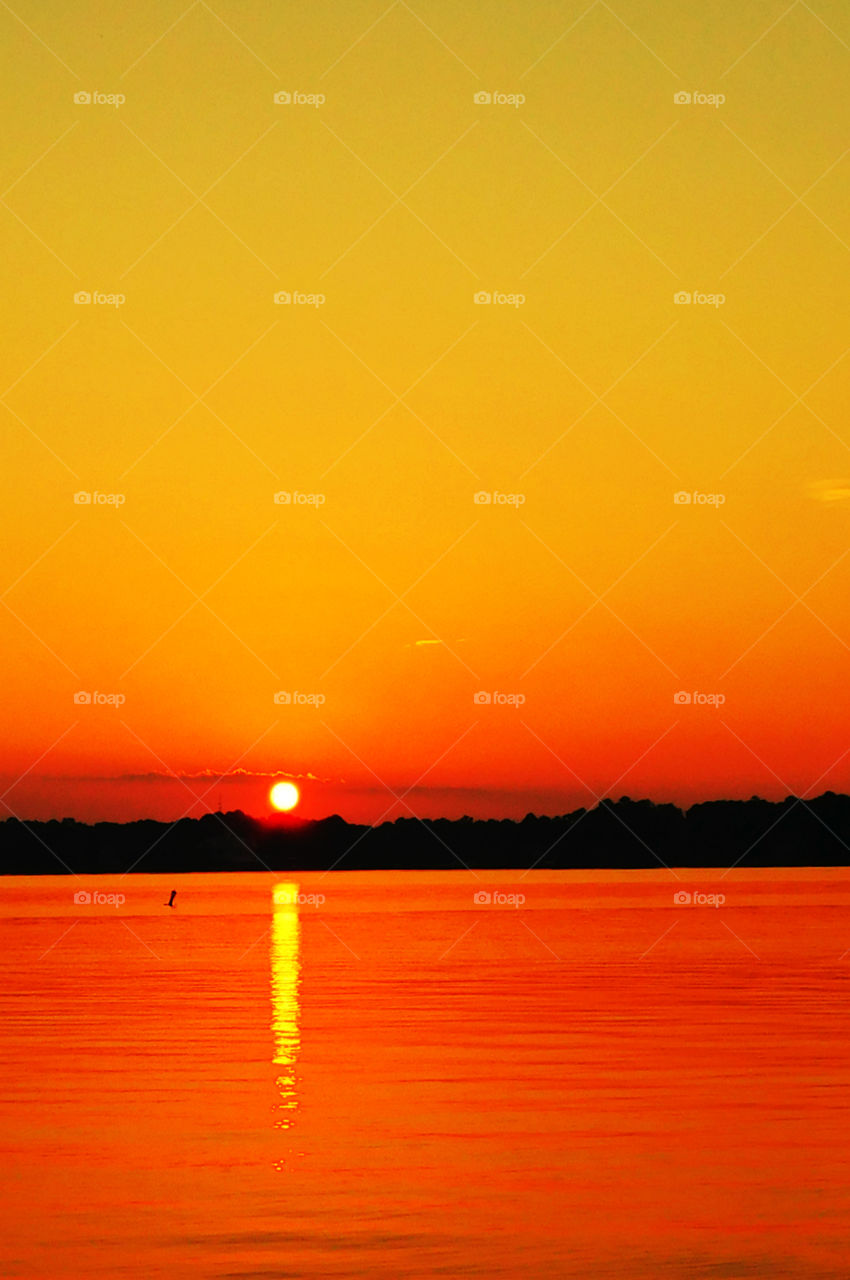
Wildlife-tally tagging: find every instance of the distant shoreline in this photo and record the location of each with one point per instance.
(617, 835)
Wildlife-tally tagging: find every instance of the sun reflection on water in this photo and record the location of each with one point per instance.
(286, 1009)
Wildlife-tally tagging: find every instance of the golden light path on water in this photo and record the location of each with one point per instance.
(286, 1009)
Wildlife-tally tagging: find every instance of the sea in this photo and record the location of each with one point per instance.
(624, 1074)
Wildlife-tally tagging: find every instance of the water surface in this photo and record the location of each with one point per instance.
(375, 1075)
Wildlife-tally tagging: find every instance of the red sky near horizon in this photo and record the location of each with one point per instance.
(450, 419)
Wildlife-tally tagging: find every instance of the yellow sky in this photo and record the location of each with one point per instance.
(382, 198)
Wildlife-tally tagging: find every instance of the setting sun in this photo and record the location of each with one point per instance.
(284, 796)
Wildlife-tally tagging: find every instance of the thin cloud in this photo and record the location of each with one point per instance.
(830, 490)
(201, 775)
(420, 644)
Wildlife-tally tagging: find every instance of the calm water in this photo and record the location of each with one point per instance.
(398, 1081)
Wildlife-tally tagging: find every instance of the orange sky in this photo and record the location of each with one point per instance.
(381, 199)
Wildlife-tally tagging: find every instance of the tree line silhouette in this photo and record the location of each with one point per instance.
(619, 834)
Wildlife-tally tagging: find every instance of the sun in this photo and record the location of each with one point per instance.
(284, 796)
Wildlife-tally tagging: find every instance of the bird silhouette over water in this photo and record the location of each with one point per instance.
(170, 902)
